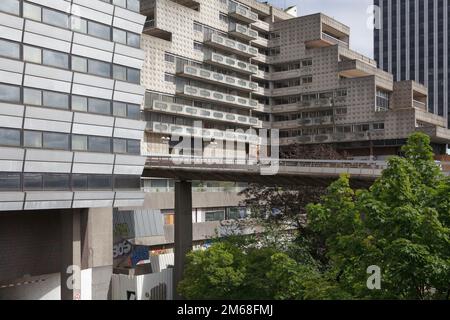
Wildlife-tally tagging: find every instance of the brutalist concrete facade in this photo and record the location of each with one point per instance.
(243, 65)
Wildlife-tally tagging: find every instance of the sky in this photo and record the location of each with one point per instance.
(352, 13)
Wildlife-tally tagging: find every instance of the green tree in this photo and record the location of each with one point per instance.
(400, 224)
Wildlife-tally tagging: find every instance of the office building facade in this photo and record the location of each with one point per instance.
(412, 43)
(70, 136)
(248, 65)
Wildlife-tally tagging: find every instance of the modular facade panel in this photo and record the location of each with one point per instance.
(70, 101)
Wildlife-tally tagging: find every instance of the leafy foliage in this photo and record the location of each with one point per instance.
(401, 224)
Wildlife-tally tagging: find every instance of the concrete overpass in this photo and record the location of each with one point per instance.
(184, 170)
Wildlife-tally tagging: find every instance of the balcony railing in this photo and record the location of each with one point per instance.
(261, 25)
(231, 63)
(200, 113)
(214, 77)
(174, 129)
(219, 97)
(333, 40)
(419, 105)
(214, 40)
(243, 32)
(241, 13)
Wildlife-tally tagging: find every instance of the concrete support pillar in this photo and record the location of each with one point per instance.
(183, 230)
(70, 254)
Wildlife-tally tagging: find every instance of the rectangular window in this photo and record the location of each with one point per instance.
(59, 141)
(32, 181)
(55, 100)
(31, 11)
(55, 18)
(32, 54)
(9, 181)
(56, 182)
(120, 146)
(119, 36)
(32, 97)
(79, 103)
(55, 59)
(32, 139)
(79, 182)
(127, 182)
(10, 6)
(9, 137)
(99, 106)
(120, 109)
(99, 144)
(99, 30)
(120, 73)
(79, 143)
(97, 182)
(133, 76)
(9, 93)
(134, 147)
(9, 49)
(134, 111)
(99, 68)
(79, 64)
(133, 40)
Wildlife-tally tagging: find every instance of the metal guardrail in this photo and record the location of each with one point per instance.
(249, 164)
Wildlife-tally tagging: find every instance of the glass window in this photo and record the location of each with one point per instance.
(79, 143)
(56, 59)
(32, 96)
(32, 181)
(99, 106)
(32, 139)
(99, 30)
(78, 24)
(58, 141)
(134, 111)
(120, 146)
(120, 109)
(134, 76)
(55, 18)
(9, 93)
(121, 3)
(56, 182)
(79, 103)
(120, 36)
(134, 147)
(10, 137)
(99, 182)
(9, 49)
(120, 73)
(215, 216)
(55, 100)
(9, 181)
(10, 6)
(133, 5)
(79, 182)
(79, 64)
(32, 54)
(133, 40)
(99, 68)
(99, 144)
(127, 182)
(32, 11)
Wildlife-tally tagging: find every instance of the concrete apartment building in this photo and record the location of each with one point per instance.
(70, 141)
(412, 43)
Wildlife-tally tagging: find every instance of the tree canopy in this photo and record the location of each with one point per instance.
(401, 225)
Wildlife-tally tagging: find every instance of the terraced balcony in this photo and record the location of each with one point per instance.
(214, 96)
(305, 122)
(230, 63)
(241, 13)
(261, 26)
(174, 129)
(200, 113)
(236, 47)
(242, 32)
(215, 78)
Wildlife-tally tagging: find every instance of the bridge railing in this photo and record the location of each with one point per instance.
(236, 163)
